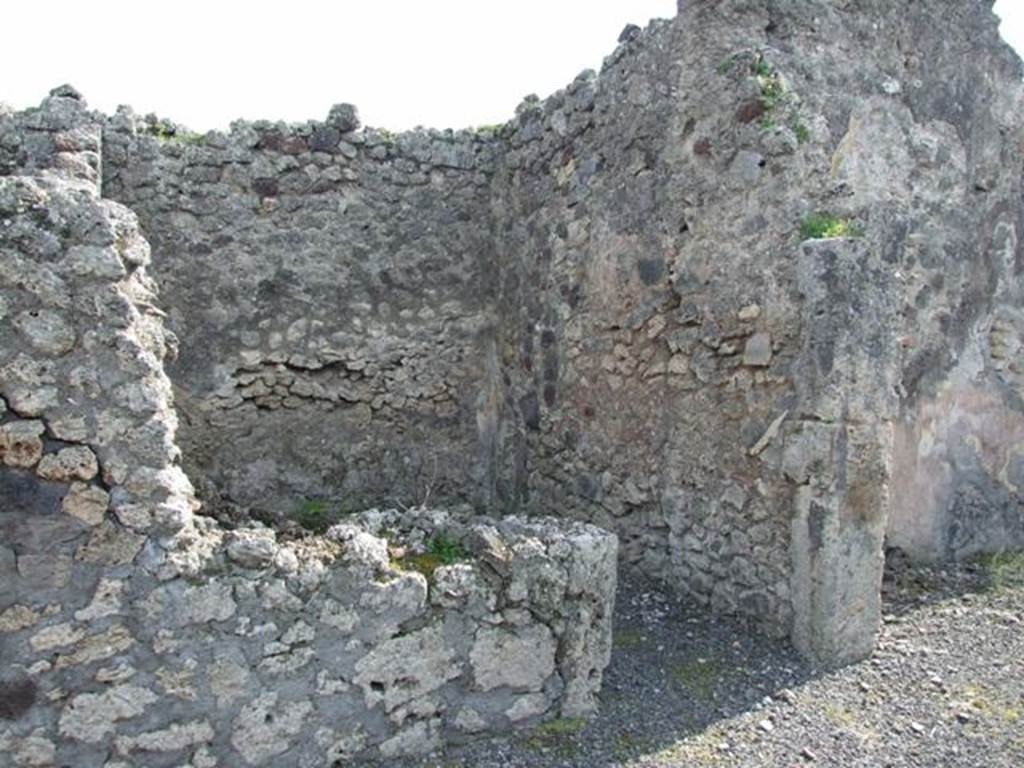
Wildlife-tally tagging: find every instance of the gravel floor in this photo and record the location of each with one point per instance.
(944, 688)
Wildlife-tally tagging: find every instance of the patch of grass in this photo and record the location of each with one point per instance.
(1005, 570)
(697, 677)
(317, 515)
(817, 226)
(424, 563)
(442, 549)
(446, 549)
(167, 132)
(760, 67)
(773, 92)
(161, 131)
(627, 744)
(313, 515)
(802, 133)
(556, 736)
(696, 750)
(837, 714)
(989, 704)
(627, 639)
(726, 64)
(490, 130)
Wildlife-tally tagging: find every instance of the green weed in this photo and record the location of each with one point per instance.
(837, 714)
(313, 515)
(627, 744)
(556, 736)
(817, 226)
(698, 677)
(989, 703)
(166, 132)
(446, 549)
(1005, 570)
(489, 131)
(760, 67)
(627, 638)
(317, 515)
(726, 64)
(773, 92)
(442, 549)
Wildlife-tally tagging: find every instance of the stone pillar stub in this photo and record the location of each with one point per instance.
(846, 379)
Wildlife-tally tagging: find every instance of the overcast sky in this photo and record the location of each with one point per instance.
(443, 63)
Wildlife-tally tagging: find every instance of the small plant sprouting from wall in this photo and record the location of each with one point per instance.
(802, 132)
(446, 549)
(167, 132)
(489, 131)
(774, 99)
(312, 514)
(819, 226)
(773, 92)
(317, 515)
(442, 549)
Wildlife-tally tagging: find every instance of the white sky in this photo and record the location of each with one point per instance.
(444, 63)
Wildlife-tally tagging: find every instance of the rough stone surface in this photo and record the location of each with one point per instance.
(616, 307)
(76, 463)
(355, 646)
(621, 266)
(347, 314)
(20, 443)
(91, 717)
(86, 502)
(517, 658)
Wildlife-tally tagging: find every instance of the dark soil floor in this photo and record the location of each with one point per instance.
(944, 688)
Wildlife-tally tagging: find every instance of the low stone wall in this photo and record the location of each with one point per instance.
(134, 632)
(389, 636)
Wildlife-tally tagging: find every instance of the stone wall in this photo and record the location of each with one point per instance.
(316, 652)
(674, 376)
(619, 266)
(133, 631)
(747, 298)
(91, 470)
(332, 289)
(649, 348)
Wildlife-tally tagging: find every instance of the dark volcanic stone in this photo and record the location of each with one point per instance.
(16, 697)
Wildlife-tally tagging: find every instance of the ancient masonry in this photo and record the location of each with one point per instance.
(739, 312)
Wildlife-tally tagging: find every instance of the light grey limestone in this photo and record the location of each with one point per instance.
(521, 658)
(265, 728)
(91, 717)
(406, 668)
